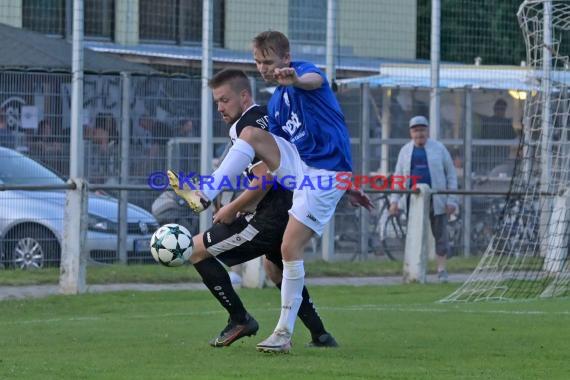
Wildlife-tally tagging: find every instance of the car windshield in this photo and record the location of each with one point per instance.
(17, 169)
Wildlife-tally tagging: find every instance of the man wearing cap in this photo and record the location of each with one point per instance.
(430, 160)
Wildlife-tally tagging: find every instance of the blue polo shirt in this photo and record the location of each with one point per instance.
(420, 165)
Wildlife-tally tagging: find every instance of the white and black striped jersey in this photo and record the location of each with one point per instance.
(273, 208)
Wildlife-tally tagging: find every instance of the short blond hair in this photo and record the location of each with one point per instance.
(272, 40)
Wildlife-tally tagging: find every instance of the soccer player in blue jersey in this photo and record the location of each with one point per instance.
(308, 139)
(249, 226)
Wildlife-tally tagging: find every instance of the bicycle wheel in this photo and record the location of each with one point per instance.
(378, 216)
(394, 237)
(376, 229)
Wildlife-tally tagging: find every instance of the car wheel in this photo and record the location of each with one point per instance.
(31, 247)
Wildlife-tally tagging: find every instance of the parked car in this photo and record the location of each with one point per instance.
(31, 222)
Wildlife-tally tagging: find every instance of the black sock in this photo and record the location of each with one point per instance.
(217, 279)
(308, 315)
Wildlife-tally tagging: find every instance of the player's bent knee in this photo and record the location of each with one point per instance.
(199, 252)
(292, 251)
(257, 138)
(251, 134)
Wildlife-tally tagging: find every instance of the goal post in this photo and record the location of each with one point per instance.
(527, 256)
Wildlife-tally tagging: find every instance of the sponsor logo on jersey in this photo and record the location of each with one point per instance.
(312, 217)
(263, 122)
(293, 124)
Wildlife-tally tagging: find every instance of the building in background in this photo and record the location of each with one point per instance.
(168, 33)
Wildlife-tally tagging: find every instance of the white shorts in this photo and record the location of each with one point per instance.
(315, 194)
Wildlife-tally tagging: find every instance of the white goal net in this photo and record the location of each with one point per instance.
(528, 253)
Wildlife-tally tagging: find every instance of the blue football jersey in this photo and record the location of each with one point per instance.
(313, 121)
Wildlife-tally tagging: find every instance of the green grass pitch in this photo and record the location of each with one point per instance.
(389, 332)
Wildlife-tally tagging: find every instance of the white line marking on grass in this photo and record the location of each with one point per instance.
(109, 317)
(350, 308)
(442, 310)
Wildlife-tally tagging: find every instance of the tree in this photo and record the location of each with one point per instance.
(487, 29)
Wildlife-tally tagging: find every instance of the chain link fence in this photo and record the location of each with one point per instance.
(352, 40)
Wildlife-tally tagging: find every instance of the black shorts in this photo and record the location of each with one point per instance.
(244, 240)
(440, 234)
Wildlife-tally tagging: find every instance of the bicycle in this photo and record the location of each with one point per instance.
(392, 230)
(516, 226)
(389, 229)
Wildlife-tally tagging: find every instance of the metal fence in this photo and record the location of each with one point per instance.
(134, 125)
(163, 133)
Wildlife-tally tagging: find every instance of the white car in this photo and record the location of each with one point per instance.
(31, 221)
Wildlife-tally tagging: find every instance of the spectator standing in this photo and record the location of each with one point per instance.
(47, 146)
(495, 127)
(498, 126)
(104, 155)
(430, 160)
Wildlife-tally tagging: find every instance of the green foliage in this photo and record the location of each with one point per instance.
(390, 332)
(474, 28)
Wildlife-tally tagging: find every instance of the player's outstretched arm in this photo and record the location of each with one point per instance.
(309, 81)
(287, 76)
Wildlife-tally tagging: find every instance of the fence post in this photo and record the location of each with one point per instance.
(253, 273)
(124, 167)
(327, 242)
(555, 256)
(72, 278)
(73, 260)
(416, 250)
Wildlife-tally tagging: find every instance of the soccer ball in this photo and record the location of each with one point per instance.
(171, 245)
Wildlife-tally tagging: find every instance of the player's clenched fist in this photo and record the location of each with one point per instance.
(285, 76)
